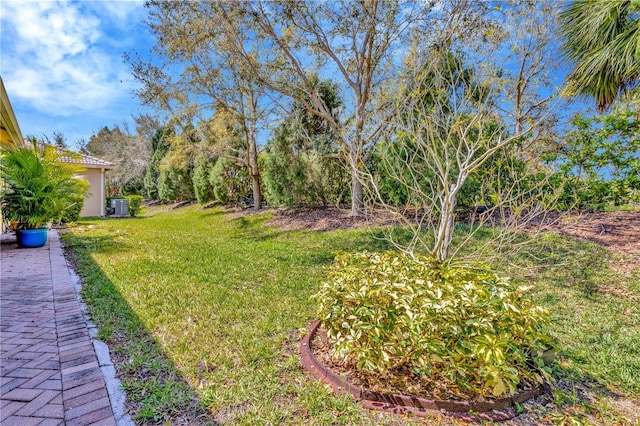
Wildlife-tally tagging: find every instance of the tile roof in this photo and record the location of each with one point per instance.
(85, 160)
(71, 157)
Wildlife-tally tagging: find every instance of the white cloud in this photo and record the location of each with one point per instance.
(51, 30)
(59, 57)
(122, 11)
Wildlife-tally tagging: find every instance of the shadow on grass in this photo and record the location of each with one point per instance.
(582, 384)
(156, 392)
(253, 228)
(103, 244)
(577, 264)
(161, 395)
(583, 400)
(213, 212)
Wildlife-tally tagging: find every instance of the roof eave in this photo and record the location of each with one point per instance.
(96, 166)
(9, 121)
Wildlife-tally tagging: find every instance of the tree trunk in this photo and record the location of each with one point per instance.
(357, 200)
(444, 234)
(254, 171)
(257, 195)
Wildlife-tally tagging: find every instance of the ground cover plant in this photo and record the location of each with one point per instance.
(461, 328)
(203, 310)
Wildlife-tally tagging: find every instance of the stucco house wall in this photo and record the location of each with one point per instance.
(94, 203)
(95, 169)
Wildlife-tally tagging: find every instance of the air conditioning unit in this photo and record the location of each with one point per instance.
(119, 207)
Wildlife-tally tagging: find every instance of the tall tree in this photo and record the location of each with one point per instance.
(528, 63)
(57, 139)
(159, 147)
(199, 75)
(129, 152)
(602, 41)
(360, 44)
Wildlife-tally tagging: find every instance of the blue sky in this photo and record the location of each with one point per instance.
(62, 66)
(62, 63)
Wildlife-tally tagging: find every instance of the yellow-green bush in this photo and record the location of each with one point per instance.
(465, 327)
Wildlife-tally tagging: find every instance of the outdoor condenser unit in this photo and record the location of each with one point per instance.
(120, 207)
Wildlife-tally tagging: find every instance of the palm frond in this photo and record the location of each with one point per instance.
(602, 42)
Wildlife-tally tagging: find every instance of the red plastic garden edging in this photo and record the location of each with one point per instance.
(498, 409)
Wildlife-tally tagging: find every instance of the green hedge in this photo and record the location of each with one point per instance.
(135, 204)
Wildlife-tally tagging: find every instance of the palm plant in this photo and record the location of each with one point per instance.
(602, 41)
(38, 187)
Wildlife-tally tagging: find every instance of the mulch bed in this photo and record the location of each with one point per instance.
(402, 392)
(617, 231)
(325, 219)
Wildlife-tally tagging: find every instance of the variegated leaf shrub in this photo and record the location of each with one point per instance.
(465, 327)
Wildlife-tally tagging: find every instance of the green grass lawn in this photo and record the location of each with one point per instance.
(203, 312)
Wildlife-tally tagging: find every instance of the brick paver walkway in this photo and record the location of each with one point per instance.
(50, 371)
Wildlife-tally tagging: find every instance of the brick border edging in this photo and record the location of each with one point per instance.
(498, 409)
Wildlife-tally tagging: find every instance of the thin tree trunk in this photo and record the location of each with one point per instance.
(257, 196)
(357, 200)
(255, 172)
(445, 227)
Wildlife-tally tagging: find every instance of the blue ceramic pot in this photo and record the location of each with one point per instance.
(30, 238)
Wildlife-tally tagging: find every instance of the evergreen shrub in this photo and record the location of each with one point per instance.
(229, 182)
(135, 204)
(201, 181)
(463, 327)
(175, 184)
